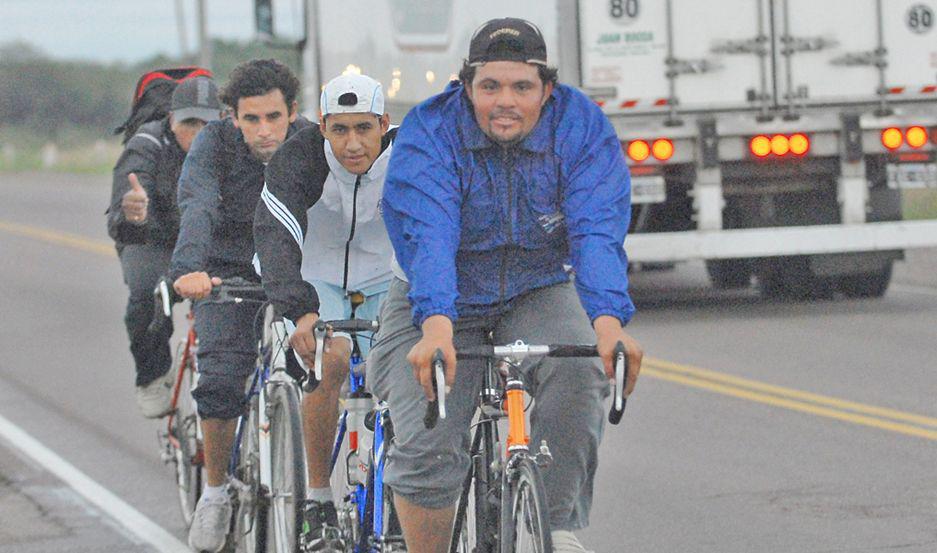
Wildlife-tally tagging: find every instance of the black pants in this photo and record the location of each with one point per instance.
(142, 265)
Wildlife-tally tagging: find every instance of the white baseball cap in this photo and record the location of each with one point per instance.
(352, 94)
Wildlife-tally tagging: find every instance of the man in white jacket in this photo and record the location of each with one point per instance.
(319, 235)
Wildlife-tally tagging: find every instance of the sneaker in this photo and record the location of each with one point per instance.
(565, 541)
(210, 524)
(154, 399)
(320, 528)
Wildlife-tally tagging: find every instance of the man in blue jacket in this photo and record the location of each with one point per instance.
(493, 185)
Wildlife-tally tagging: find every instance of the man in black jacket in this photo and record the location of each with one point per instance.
(220, 186)
(143, 220)
(319, 235)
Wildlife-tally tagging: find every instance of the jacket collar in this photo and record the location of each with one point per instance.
(475, 139)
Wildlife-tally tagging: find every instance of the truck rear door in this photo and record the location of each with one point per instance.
(843, 51)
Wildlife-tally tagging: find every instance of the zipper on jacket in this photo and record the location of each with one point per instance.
(351, 234)
(508, 163)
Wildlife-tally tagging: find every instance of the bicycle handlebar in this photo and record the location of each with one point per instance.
(520, 351)
(339, 325)
(231, 290)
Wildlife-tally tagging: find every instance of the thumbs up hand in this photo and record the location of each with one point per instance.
(134, 202)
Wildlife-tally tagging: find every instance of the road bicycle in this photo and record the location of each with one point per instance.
(180, 443)
(367, 518)
(267, 465)
(503, 505)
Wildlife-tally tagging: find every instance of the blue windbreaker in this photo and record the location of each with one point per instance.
(474, 224)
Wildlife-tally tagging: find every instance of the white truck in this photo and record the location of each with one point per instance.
(770, 138)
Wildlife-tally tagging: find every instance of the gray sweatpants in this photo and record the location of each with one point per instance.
(427, 466)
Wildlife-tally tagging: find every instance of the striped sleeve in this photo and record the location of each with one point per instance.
(294, 179)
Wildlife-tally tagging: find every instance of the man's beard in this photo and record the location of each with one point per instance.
(262, 156)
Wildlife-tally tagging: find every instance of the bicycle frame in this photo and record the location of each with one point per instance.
(271, 371)
(188, 353)
(364, 469)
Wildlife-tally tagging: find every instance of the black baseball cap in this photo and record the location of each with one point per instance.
(196, 98)
(507, 39)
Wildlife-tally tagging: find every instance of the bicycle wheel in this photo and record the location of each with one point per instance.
(250, 514)
(186, 449)
(475, 529)
(525, 519)
(288, 469)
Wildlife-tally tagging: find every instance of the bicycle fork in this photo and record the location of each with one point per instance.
(518, 438)
(277, 378)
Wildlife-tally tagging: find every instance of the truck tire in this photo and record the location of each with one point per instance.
(866, 285)
(729, 274)
(790, 278)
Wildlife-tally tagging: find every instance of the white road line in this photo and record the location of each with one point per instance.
(133, 520)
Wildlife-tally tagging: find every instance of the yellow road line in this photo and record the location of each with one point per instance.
(828, 401)
(61, 238)
(791, 404)
(696, 377)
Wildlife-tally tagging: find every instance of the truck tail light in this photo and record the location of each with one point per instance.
(892, 138)
(638, 150)
(662, 149)
(760, 145)
(800, 144)
(916, 137)
(780, 145)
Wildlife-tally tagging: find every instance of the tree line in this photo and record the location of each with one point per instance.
(49, 96)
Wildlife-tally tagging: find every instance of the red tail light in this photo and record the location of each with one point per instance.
(638, 150)
(799, 144)
(916, 137)
(892, 138)
(779, 145)
(662, 149)
(760, 145)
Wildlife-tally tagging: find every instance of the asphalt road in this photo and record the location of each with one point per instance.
(757, 425)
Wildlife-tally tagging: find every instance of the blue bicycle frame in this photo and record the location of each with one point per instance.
(370, 525)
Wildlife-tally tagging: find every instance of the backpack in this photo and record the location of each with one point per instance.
(152, 96)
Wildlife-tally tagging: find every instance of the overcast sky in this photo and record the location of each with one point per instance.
(120, 30)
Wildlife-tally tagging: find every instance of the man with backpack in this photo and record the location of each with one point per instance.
(143, 217)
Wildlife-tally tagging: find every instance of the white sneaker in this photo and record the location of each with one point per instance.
(565, 541)
(210, 524)
(155, 398)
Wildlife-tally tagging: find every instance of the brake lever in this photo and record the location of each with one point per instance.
(621, 376)
(320, 331)
(436, 409)
(162, 289)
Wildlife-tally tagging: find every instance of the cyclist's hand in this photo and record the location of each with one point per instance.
(437, 334)
(303, 339)
(195, 286)
(608, 332)
(135, 201)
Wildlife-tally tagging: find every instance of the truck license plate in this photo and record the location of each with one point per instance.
(648, 189)
(912, 175)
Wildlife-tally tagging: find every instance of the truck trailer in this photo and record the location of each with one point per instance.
(772, 139)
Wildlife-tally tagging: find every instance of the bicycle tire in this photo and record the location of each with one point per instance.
(288, 469)
(475, 529)
(250, 513)
(525, 518)
(187, 456)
